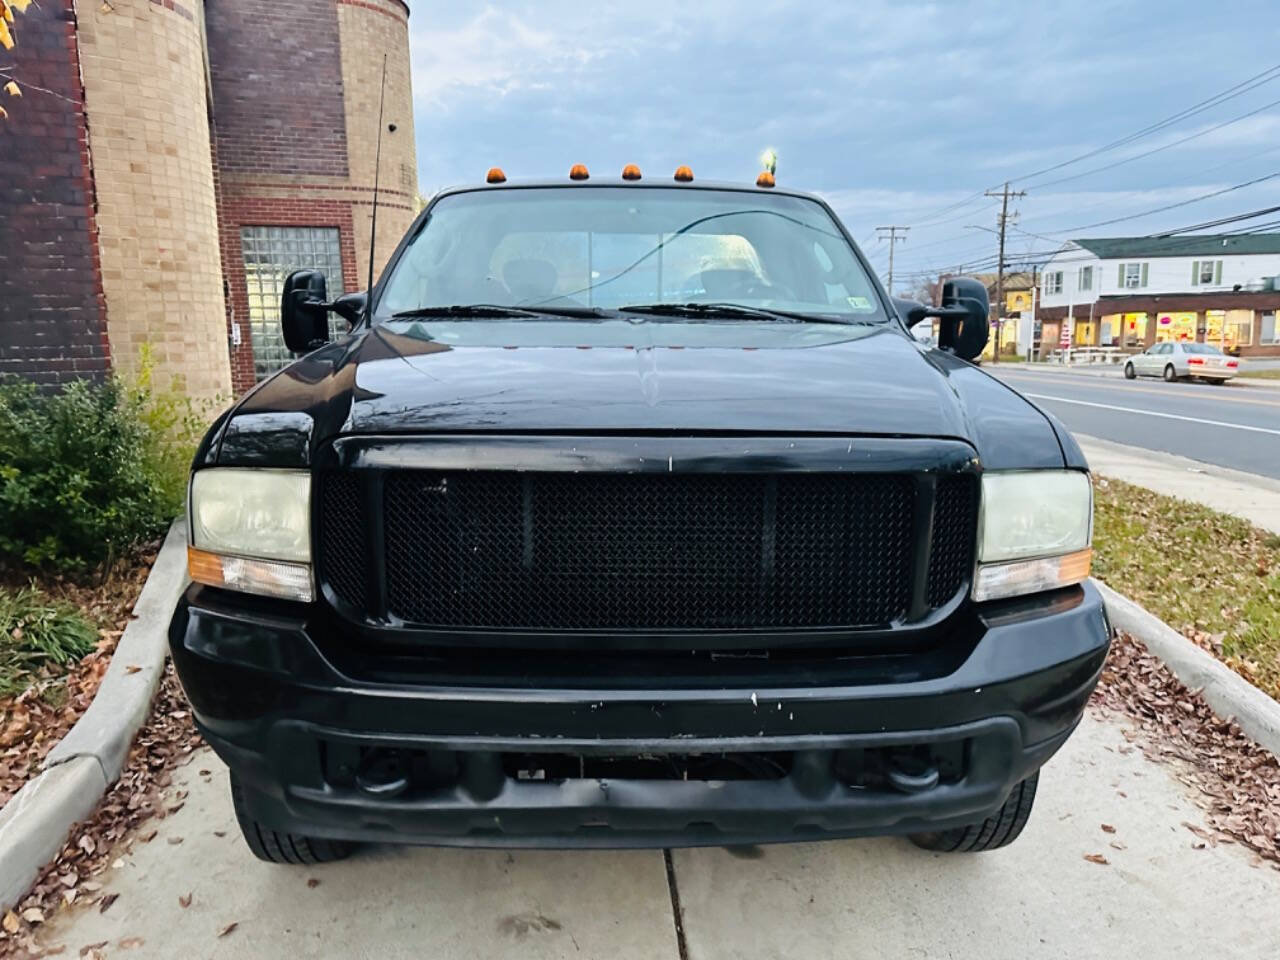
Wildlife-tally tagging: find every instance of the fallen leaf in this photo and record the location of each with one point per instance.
(174, 841)
(92, 947)
(130, 943)
(10, 923)
(228, 928)
(184, 901)
(1097, 858)
(132, 668)
(313, 882)
(1108, 828)
(1117, 845)
(87, 844)
(148, 836)
(107, 900)
(219, 833)
(33, 915)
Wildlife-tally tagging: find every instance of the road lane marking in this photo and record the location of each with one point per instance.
(1187, 391)
(1154, 413)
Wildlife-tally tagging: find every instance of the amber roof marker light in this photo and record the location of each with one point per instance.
(578, 172)
(769, 159)
(630, 172)
(684, 175)
(495, 175)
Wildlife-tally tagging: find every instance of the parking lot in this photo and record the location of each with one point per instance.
(1163, 890)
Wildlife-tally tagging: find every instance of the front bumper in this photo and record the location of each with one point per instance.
(284, 716)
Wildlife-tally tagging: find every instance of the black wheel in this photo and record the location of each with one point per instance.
(1170, 374)
(1129, 372)
(998, 830)
(275, 847)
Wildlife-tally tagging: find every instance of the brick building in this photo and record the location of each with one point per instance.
(183, 156)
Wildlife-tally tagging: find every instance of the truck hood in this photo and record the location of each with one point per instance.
(648, 375)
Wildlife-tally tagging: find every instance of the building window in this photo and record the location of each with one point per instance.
(1133, 275)
(1086, 278)
(1206, 271)
(1269, 333)
(270, 255)
(1228, 329)
(1053, 283)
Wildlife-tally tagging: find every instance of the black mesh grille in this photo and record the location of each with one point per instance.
(955, 520)
(343, 538)
(564, 551)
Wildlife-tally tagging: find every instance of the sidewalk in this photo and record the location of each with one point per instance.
(1245, 495)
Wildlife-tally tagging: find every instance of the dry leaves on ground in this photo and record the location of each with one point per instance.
(167, 739)
(32, 722)
(1237, 781)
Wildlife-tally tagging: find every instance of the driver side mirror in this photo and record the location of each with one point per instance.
(965, 316)
(305, 307)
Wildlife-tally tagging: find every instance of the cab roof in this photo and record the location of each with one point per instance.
(648, 183)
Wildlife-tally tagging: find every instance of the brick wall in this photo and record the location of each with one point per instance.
(279, 207)
(52, 314)
(143, 67)
(277, 86)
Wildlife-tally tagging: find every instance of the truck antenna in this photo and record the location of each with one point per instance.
(377, 169)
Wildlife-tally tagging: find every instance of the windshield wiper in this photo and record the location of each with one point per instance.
(466, 310)
(729, 311)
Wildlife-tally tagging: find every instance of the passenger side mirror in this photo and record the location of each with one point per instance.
(305, 307)
(965, 310)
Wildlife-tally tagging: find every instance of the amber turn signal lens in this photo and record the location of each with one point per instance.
(269, 578)
(684, 175)
(765, 179)
(495, 175)
(630, 172)
(578, 172)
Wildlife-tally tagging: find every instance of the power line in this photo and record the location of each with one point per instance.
(1167, 146)
(1266, 76)
(1170, 206)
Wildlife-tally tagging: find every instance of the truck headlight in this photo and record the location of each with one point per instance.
(1035, 528)
(250, 530)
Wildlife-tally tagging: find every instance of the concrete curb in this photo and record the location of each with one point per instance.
(77, 772)
(1229, 694)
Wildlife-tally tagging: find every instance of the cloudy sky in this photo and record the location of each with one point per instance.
(898, 113)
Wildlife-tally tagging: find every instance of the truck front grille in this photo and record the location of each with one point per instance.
(600, 551)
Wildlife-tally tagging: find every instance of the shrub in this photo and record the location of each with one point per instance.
(90, 471)
(36, 632)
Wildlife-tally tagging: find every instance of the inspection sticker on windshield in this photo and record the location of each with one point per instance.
(861, 304)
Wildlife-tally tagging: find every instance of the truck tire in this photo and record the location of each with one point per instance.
(275, 847)
(998, 830)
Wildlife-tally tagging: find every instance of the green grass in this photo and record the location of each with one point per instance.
(1196, 569)
(1260, 374)
(37, 633)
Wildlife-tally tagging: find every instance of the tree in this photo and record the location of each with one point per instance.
(7, 40)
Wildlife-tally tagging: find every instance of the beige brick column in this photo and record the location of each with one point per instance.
(369, 29)
(145, 99)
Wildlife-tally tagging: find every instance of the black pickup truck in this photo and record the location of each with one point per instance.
(629, 513)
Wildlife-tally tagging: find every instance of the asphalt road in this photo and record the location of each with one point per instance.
(1229, 425)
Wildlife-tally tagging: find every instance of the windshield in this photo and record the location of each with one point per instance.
(611, 247)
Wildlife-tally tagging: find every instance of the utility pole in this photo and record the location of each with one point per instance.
(893, 234)
(1003, 221)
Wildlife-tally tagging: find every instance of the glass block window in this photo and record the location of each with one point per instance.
(270, 255)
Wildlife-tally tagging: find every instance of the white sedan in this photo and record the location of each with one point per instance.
(1176, 360)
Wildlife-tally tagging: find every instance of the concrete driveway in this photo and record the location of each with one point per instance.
(861, 898)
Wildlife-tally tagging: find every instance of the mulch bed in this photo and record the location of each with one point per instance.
(32, 722)
(1236, 782)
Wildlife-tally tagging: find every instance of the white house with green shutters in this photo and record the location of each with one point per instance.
(1085, 270)
(1130, 292)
